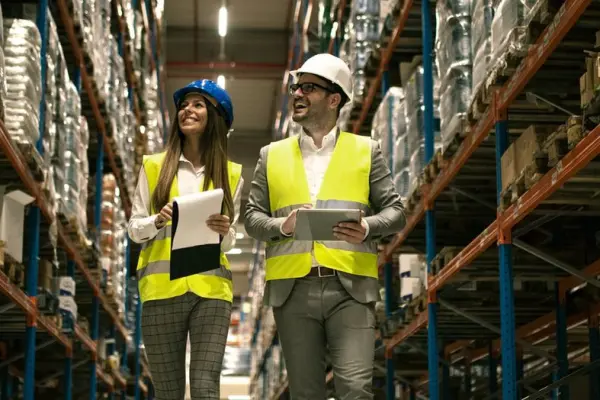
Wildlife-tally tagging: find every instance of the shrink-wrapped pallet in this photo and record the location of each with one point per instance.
(22, 46)
(454, 63)
(509, 31)
(482, 15)
(389, 123)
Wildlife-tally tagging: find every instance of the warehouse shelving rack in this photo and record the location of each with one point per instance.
(42, 346)
(496, 326)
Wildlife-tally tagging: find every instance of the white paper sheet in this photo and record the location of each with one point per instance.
(194, 210)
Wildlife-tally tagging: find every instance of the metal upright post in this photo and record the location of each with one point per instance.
(432, 339)
(562, 392)
(97, 223)
(594, 337)
(94, 337)
(507, 307)
(34, 219)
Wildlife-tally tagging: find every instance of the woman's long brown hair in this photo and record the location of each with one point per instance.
(213, 147)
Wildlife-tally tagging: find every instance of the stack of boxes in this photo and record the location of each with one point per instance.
(454, 63)
(413, 276)
(64, 290)
(589, 83)
(113, 242)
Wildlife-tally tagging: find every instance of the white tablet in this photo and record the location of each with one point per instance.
(318, 224)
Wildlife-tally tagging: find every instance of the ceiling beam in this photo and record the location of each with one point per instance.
(242, 46)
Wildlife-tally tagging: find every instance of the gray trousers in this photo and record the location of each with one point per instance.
(165, 327)
(321, 316)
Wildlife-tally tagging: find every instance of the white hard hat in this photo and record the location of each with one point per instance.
(328, 67)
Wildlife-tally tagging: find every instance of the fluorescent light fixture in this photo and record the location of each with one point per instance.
(239, 235)
(221, 81)
(223, 21)
(235, 250)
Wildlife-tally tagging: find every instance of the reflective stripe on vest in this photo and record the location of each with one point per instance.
(154, 262)
(164, 267)
(345, 186)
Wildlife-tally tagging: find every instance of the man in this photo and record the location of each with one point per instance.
(323, 293)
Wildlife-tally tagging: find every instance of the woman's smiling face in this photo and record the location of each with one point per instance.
(192, 114)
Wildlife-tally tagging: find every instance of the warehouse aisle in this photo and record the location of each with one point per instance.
(486, 113)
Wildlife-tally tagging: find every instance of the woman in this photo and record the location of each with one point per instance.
(195, 159)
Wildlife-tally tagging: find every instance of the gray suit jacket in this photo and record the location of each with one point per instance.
(388, 219)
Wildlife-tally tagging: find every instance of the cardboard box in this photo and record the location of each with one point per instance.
(45, 274)
(508, 164)
(411, 288)
(529, 144)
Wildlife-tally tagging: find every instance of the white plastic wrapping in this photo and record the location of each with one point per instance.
(389, 123)
(22, 46)
(508, 27)
(454, 101)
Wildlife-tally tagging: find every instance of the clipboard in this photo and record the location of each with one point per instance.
(318, 224)
(203, 252)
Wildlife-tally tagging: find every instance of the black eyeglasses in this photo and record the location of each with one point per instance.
(307, 87)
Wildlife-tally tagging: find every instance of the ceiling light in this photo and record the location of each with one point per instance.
(223, 21)
(235, 250)
(221, 81)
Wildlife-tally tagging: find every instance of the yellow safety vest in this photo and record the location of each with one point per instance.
(154, 261)
(345, 185)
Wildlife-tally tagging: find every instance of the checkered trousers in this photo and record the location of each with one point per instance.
(165, 327)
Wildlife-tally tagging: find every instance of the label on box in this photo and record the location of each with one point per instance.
(66, 285)
(67, 303)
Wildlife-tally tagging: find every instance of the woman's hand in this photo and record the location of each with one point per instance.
(165, 215)
(219, 223)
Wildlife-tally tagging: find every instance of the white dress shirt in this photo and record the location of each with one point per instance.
(316, 161)
(141, 226)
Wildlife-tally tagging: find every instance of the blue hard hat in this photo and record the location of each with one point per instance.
(210, 88)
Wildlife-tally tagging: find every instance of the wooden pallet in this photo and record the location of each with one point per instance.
(33, 159)
(443, 258)
(414, 197)
(74, 232)
(508, 59)
(414, 307)
(554, 148)
(434, 167)
(14, 271)
(458, 129)
(482, 99)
